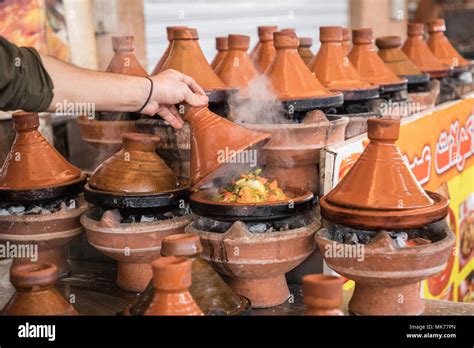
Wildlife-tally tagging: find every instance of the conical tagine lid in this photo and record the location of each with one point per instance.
(135, 169)
(393, 56)
(367, 62)
(380, 191)
(304, 49)
(289, 76)
(346, 40)
(419, 53)
(214, 143)
(32, 162)
(264, 52)
(442, 48)
(169, 34)
(124, 61)
(222, 46)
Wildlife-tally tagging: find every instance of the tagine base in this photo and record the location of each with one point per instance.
(262, 292)
(373, 299)
(54, 256)
(133, 276)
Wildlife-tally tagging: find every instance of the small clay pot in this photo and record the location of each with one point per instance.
(264, 51)
(322, 294)
(171, 280)
(169, 34)
(35, 293)
(304, 49)
(222, 47)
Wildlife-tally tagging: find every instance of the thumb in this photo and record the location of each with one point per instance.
(195, 99)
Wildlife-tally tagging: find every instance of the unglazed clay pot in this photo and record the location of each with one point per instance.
(334, 69)
(211, 136)
(187, 57)
(442, 49)
(35, 293)
(346, 40)
(222, 47)
(124, 60)
(393, 56)
(171, 280)
(288, 74)
(367, 62)
(133, 245)
(237, 69)
(169, 34)
(135, 169)
(264, 52)
(50, 232)
(322, 294)
(32, 162)
(254, 264)
(304, 49)
(419, 53)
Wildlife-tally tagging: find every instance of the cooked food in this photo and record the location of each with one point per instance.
(252, 188)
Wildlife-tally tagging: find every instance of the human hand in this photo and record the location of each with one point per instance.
(172, 87)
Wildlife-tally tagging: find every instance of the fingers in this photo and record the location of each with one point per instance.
(168, 115)
(175, 112)
(192, 84)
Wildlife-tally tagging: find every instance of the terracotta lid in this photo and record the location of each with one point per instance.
(135, 169)
(222, 46)
(264, 51)
(367, 62)
(212, 136)
(288, 74)
(33, 275)
(187, 57)
(304, 49)
(172, 273)
(306, 42)
(169, 34)
(32, 162)
(186, 244)
(222, 43)
(237, 69)
(332, 67)
(124, 61)
(393, 56)
(380, 191)
(419, 53)
(346, 40)
(442, 49)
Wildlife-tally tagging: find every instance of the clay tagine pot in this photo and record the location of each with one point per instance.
(369, 65)
(419, 53)
(187, 57)
(264, 52)
(35, 293)
(346, 40)
(322, 294)
(222, 47)
(391, 53)
(169, 34)
(211, 136)
(237, 69)
(208, 289)
(442, 49)
(304, 49)
(392, 198)
(171, 280)
(257, 271)
(124, 60)
(135, 169)
(335, 71)
(33, 163)
(290, 77)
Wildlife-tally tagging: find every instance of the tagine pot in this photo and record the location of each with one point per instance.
(171, 282)
(322, 295)
(254, 264)
(304, 49)
(346, 40)
(222, 47)
(264, 52)
(391, 53)
(35, 293)
(169, 35)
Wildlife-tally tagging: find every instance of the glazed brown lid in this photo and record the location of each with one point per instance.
(171, 273)
(265, 32)
(135, 169)
(288, 74)
(186, 244)
(222, 43)
(212, 134)
(380, 191)
(32, 162)
(306, 41)
(187, 57)
(33, 275)
(124, 61)
(393, 56)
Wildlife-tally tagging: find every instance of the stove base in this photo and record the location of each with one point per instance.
(263, 292)
(55, 256)
(133, 276)
(374, 299)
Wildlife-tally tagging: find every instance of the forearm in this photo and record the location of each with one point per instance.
(106, 91)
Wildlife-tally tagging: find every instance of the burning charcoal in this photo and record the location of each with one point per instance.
(111, 218)
(258, 228)
(16, 210)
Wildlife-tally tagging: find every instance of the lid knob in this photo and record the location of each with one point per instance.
(436, 25)
(383, 130)
(170, 31)
(386, 42)
(222, 43)
(265, 33)
(123, 43)
(171, 273)
(285, 39)
(33, 275)
(140, 142)
(416, 29)
(330, 34)
(181, 245)
(362, 36)
(239, 42)
(25, 121)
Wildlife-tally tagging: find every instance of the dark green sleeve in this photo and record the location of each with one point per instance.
(24, 82)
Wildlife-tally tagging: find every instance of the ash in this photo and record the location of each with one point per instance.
(211, 225)
(125, 219)
(40, 209)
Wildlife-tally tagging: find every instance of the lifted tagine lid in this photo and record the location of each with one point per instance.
(380, 191)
